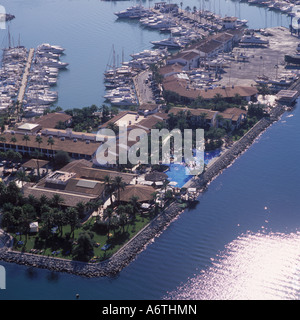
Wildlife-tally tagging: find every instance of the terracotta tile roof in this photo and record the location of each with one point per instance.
(34, 164)
(210, 114)
(84, 170)
(233, 113)
(52, 119)
(144, 193)
(180, 86)
(68, 145)
(70, 199)
(176, 68)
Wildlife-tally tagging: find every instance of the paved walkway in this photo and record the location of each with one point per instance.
(143, 91)
(25, 77)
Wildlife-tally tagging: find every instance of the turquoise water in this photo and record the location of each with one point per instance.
(241, 241)
(179, 173)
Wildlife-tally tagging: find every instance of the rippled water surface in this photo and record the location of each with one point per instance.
(241, 241)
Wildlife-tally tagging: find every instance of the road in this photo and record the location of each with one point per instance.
(143, 90)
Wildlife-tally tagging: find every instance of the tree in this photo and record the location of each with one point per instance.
(56, 201)
(39, 140)
(108, 187)
(114, 127)
(108, 213)
(135, 205)
(13, 139)
(80, 207)
(84, 249)
(72, 219)
(26, 138)
(13, 194)
(123, 220)
(118, 184)
(22, 176)
(36, 154)
(50, 142)
(47, 220)
(2, 139)
(61, 158)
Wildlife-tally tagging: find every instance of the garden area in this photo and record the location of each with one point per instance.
(71, 232)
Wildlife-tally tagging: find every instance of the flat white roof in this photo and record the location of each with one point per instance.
(28, 126)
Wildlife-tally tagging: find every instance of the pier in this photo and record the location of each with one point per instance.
(22, 90)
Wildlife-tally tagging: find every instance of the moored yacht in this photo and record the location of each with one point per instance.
(169, 42)
(50, 48)
(253, 40)
(133, 12)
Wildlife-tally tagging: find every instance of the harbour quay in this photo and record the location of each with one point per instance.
(257, 64)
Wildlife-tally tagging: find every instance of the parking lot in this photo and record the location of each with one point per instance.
(8, 170)
(267, 61)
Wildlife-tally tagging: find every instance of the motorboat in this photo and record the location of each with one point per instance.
(50, 48)
(52, 63)
(133, 12)
(253, 40)
(169, 42)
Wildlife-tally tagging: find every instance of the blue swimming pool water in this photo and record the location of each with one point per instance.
(179, 174)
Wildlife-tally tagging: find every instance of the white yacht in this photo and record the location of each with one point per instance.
(50, 48)
(52, 63)
(133, 12)
(169, 42)
(253, 40)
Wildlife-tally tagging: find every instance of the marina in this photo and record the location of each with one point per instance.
(28, 92)
(131, 84)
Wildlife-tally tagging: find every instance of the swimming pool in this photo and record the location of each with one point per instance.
(179, 173)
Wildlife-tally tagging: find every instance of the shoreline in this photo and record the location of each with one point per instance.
(139, 242)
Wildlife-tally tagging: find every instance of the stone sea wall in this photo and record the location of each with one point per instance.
(128, 253)
(108, 267)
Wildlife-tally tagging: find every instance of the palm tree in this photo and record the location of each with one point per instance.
(50, 142)
(36, 154)
(188, 9)
(39, 140)
(108, 187)
(108, 213)
(72, 219)
(26, 138)
(56, 201)
(113, 127)
(21, 175)
(118, 184)
(220, 119)
(2, 139)
(134, 201)
(13, 139)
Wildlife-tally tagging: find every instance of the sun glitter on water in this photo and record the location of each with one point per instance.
(252, 267)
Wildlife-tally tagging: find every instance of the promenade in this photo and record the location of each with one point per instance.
(143, 90)
(22, 90)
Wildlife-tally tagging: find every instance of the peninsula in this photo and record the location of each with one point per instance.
(60, 208)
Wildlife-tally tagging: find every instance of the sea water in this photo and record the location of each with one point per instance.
(242, 239)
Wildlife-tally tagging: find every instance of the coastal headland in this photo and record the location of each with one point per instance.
(237, 72)
(128, 252)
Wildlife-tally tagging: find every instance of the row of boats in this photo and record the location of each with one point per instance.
(184, 27)
(11, 73)
(120, 89)
(286, 7)
(43, 75)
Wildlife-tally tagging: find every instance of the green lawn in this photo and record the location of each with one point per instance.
(62, 247)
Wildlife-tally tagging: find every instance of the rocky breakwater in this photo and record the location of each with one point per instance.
(108, 267)
(137, 244)
(228, 157)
